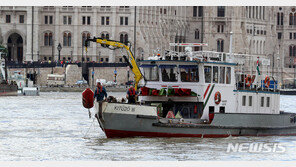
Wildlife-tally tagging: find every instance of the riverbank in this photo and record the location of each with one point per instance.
(79, 89)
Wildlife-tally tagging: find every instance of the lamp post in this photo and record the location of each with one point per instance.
(59, 49)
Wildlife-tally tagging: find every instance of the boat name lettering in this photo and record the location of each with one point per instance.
(122, 108)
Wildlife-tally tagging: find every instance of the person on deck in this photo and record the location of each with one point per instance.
(100, 92)
(131, 95)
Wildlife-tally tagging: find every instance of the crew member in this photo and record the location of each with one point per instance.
(100, 92)
(131, 95)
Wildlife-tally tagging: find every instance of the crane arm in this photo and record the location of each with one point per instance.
(116, 44)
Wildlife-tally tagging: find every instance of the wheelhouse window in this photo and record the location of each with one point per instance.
(189, 73)
(244, 101)
(150, 72)
(215, 74)
(262, 101)
(228, 75)
(267, 101)
(208, 72)
(168, 73)
(250, 100)
(222, 75)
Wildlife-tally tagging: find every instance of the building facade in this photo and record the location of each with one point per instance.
(33, 33)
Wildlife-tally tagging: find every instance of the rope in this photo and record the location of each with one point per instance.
(89, 128)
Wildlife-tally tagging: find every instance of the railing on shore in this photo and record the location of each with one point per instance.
(55, 64)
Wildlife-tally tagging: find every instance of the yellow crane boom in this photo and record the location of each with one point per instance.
(116, 44)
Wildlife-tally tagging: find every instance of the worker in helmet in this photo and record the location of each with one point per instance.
(131, 95)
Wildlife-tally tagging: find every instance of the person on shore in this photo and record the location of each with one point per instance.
(131, 95)
(100, 92)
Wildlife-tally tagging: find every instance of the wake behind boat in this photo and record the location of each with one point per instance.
(199, 94)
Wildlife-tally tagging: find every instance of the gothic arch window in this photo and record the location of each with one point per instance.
(292, 17)
(196, 34)
(220, 45)
(67, 38)
(124, 38)
(48, 39)
(292, 50)
(85, 35)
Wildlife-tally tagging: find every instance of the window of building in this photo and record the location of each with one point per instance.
(291, 35)
(124, 38)
(22, 19)
(196, 34)
(50, 19)
(150, 72)
(228, 75)
(279, 35)
(200, 11)
(126, 20)
(294, 35)
(120, 59)
(221, 11)
(69, 20)
(208, 74)
(250, 100)
(220, 45)
(107, 59)
(262, 101)
(222, 75)
(107, 20)
(164, 11)
(215, 74)
(189, 73)
(121, 20)
(169, 73)
(292, 50)
(267, 101)
(160, 10)
(83, 20)
(244, 100)
(194, 11)
(102, 20)
(220, 28)
(67, 39)
(65, 20)
(85, 35)
(88, 20)
(45, 19)
(48, 39)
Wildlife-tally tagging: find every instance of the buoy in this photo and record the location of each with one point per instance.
(217, 97)
(88, 98)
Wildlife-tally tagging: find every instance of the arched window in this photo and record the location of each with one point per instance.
(104, 35)
(196, 35)
(69, 39)
(294, 51)
(220, 45)
(50, 39)
(121, 38)
(291, 19)
(65, 38)
(125, 39)
(85, 35)
(290, 50)
(46, 39)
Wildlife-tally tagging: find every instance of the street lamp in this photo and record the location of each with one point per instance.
(59, 49)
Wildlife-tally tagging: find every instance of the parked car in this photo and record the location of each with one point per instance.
(111, 84)
(81, 83)
(128, 83)
(102, 81)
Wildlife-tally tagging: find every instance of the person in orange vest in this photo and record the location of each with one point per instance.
(100, 92)
(131, 95)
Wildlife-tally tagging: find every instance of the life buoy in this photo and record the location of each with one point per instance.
(217, 97)
(267, 81)
(88, 98)
(248, 80)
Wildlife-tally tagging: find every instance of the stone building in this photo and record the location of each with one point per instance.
(33, 33)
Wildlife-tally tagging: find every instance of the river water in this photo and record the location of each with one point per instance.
(55, 126)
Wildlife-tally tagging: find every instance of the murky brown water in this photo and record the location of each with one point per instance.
(55, 126)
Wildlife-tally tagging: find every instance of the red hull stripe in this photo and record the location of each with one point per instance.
(110, 133)
(207, 91)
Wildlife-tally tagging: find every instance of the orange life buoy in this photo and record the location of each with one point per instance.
(248, 80)
(267, 81)
(88, 98)
(217, 97)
